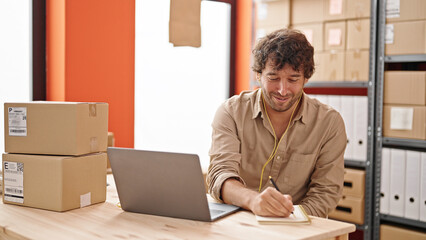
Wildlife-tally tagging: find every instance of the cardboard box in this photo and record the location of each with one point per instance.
(405, 38)
(350, 209)
(354, 183)
(404, 121)
(388, 232)
(358, 36)
(333, 65)
(57, 183)
(307, 11)
(335, 10)
(358, 8)
(335, 36)
(263, 31)
(405, 10)
(55, 128)
(273, 13)
(356, 65)
(405, 87)
(314, 33)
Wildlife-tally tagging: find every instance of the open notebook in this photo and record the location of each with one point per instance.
(299, 216)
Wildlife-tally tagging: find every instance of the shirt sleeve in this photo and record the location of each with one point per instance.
(326, 185)
(224, 153)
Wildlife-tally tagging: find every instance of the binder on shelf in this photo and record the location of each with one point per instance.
(385, 181)
(423, 188)
(347, 112)
(412, 185)
(360, 128)
(397, 182)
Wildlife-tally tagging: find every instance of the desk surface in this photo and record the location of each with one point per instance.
(107, 221)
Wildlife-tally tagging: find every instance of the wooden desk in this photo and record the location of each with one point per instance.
(107, 221)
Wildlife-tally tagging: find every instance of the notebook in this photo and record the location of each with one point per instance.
(164, 184)
(299, 216)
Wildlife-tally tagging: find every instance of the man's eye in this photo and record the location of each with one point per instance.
(273, 78)
(293, 80)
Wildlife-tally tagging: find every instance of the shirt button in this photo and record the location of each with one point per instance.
(278, 157)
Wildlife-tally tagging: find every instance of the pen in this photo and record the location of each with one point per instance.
(275, 185)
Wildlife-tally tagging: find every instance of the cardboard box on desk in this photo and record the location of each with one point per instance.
(55, 128)
(57, 183)
(405, 87)
(404, 121)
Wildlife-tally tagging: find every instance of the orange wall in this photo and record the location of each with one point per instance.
(243, 45)
(90, 57)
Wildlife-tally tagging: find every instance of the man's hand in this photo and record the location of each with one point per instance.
(271, 203)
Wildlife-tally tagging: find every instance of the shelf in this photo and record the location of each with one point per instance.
(406, 58)
(405, 221)
(339, 84)
(355, 163)
(400, 142)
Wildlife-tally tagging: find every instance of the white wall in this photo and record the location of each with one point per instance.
(178, 89)
(15, 55)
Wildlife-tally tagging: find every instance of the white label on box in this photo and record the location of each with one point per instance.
(17, 121)
(389, 34)
(262, 11)
(85, 200)
(13, 176)
(309, 34)
(393, 8)
(401, 118)
(336, 7)
(334, 37)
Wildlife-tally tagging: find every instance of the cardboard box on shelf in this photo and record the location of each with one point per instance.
(358, 36)
(350, 209)
(335, 10)
(57, 183)
(405, 87)
(333, 65)
(358, 8)
(335, 35)
(405, 10)
(404, 121)
(320, 67)
(314, 32)
(356, 65)
(405, 38)
(263, 31)
(354, 183)
(307, 11)
(388, 232)
(273, 13)
(55, 128)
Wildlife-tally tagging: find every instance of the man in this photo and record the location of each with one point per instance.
(278, 131)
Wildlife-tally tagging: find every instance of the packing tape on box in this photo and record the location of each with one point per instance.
(92, 110)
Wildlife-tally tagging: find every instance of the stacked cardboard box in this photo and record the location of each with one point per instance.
(351, 207)
(389, 232)
(406, 27)
(111, 143)
(404, 112)
(55, 156)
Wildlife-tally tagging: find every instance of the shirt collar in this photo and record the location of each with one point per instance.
(258, 107)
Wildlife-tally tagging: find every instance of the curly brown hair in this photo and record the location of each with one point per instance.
(285, 46)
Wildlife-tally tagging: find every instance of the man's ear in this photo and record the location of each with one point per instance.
(258, 76)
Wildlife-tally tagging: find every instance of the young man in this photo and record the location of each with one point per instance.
(278, 131)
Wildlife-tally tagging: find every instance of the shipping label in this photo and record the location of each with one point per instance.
(13, 176)
(17, 121)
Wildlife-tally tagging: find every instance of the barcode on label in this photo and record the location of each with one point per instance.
(17, 131)
(20, 167)
(13, 190)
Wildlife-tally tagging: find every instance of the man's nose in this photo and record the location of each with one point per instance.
(283, 88)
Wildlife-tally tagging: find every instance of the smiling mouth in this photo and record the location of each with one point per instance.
(281, 99)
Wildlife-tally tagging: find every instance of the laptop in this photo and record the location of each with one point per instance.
(164, 184)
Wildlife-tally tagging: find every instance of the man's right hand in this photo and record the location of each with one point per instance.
(272, 203)
(269, 203)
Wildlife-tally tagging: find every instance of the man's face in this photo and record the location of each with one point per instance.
(281, 88)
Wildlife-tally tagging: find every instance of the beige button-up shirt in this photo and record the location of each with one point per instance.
(309, 161)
